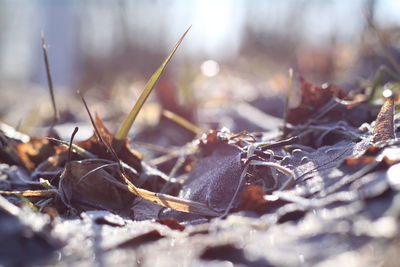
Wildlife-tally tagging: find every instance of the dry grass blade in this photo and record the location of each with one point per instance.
(384, 124)
(28, 203)
(170, 201)
(30, 193)
(49, 80)
(182, 122)
(167, 201)
(175, 203)
(127, 124)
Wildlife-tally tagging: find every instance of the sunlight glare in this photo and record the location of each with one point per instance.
(387, 93)
(209, 68)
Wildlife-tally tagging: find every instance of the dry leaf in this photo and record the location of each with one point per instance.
(384, 124)
(83, 190)
(172, 224)
(215, 179)
(151, 236)
(252, 199)
(35, 151)
(86, 185)
(312, 98)
(122, 148)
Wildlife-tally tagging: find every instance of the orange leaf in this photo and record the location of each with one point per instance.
(35, 151)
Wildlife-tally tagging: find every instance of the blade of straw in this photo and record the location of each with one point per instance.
(182, 122)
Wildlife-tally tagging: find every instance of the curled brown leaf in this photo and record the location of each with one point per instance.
(121, 147)
(384, 124)
(312, 98)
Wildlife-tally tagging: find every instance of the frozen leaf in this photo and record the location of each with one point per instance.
(145, 210)
(215, 179)
(83, 188)
(324, 160)
(86, 185)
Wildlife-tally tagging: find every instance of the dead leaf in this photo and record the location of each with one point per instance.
(121, 147)
(359, 161)
(229, 252)
(215, 178)
(35, 151)
(54, 164)
(252, 199)
(211, 139)
(86, 185)
(172, 224)
(145, 210)
(386, 153)
(384, 124)
(51, 212)
(106, 218)
(313, 97)
(83, 188)
(142, 239)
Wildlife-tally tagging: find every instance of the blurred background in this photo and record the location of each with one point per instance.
(236, 49)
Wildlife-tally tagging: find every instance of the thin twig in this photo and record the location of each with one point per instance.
(107, 143)
(70, 143)
(50, 81)
(289, 94)
(91, 118)
(289, 141)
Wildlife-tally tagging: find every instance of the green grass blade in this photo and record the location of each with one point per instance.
(127, 124)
